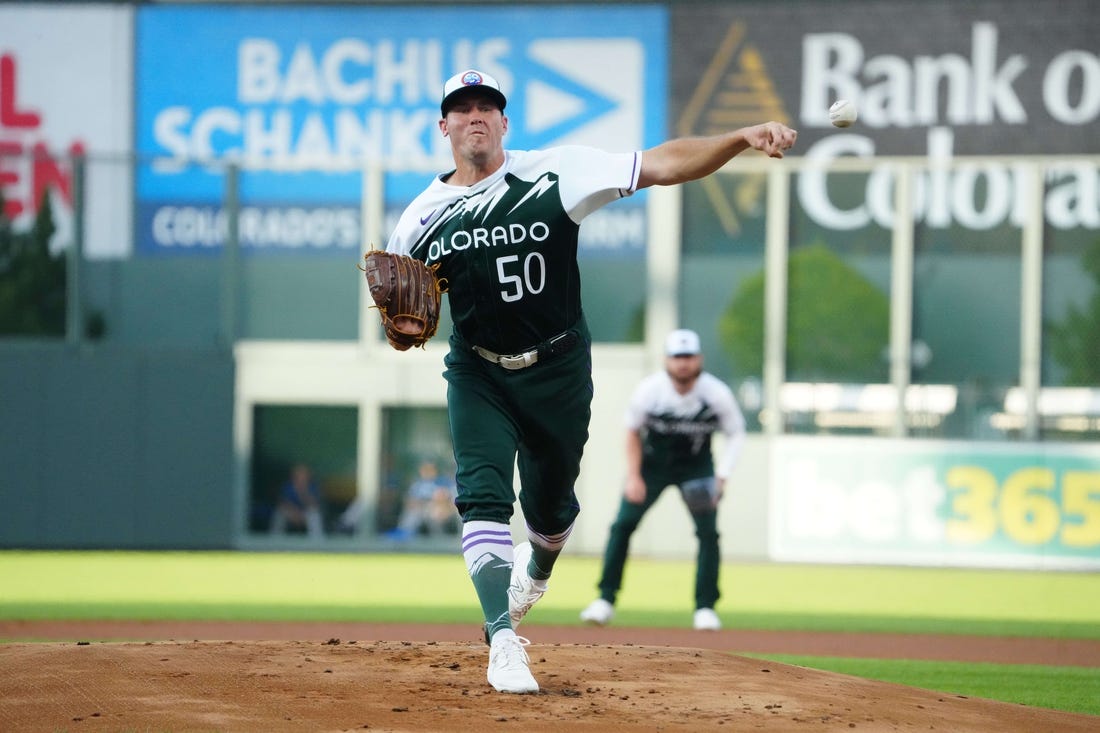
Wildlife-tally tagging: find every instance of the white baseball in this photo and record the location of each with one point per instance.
(842, 113)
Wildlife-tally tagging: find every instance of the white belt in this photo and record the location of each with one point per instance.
(557, 345)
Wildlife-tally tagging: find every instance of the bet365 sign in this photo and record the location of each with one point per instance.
(857, 500)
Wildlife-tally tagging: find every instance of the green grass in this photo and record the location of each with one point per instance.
(380, 587)
(1073, 689)
(391, 588)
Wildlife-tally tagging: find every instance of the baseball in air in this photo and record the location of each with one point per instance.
(842, 113)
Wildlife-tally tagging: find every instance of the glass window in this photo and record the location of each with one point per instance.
(415, 504)
(304, 467)
(966, 309)
(838, 308)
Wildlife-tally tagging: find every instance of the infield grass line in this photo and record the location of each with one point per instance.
(1072, 689)
(287, 586)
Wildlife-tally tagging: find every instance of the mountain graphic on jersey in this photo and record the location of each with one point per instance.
(501, 215)
(488, 561)
(509, 254)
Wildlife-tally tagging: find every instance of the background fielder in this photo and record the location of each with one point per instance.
(672, 417)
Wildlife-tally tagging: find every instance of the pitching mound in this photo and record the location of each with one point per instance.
(440, 686)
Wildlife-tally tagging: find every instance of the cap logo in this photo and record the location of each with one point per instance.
(471, 78)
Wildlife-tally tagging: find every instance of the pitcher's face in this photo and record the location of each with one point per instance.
(476, 126)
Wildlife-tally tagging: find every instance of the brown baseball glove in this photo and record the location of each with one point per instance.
(407, 293)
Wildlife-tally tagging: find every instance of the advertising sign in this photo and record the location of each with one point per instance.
(938, 79)
(856, 500)
(303, 97)
(47, 117)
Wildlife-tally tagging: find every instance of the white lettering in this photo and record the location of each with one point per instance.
(965, 186)
(303, 82)
(257, 71)
(821, 506)
(612, 228)
(187, 226)
(813, 191)
(314, 146)
(1073, 196)
(166, 130)
(266, 137)
(310, 140)
(874, 511)
(392, 72)
(349, 71)
(994, 96)
(814, 507)
(830, 62)
(209, 123)
(346, 51)
(937, 202)
(895, 92)
(887, 102)
(976, 196)
(481, 237)
(928, 73)
(289, 228)
(1058, 81)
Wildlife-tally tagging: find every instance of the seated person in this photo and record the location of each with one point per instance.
(299, 507)
(429, 505)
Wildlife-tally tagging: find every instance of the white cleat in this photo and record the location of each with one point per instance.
(509, 669)
(598, 612)
(524, 591)
(707, 620)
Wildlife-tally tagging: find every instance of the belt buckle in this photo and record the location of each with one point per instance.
(519, 361)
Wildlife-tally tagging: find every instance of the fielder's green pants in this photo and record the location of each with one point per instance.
(539, 414)
(618, 544)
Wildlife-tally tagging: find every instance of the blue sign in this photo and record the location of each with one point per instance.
(303, 97)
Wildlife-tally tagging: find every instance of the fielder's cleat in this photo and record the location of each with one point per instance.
(524, 591)
(508, 665)
(707, 620)
(598, 612)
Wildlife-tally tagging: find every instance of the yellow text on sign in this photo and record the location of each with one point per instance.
(1026, 507)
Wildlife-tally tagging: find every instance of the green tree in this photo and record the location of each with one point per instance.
(1075, 341)
(32, 281)
(838, 322)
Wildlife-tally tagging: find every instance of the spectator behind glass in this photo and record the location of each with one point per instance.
(429, 505)
(299, 507)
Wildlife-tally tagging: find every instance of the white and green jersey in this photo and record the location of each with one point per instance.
(508, 245)
(676, 428)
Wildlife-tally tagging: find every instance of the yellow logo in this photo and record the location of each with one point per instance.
(734, 91)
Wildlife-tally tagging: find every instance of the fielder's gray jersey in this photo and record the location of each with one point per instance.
(677, 428)
(508, 245)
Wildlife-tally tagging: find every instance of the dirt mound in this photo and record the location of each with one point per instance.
(341, 685)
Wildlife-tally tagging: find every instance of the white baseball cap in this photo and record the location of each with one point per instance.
(464, 80)
(682, 342)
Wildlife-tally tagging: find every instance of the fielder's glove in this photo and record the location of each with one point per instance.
(700, 494)
(407, 293)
